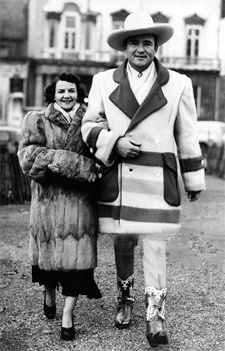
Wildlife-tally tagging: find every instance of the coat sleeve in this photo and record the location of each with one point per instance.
(188, 148)
(37, 161)
(99, 139)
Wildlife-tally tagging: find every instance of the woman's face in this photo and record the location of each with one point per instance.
(66, 94)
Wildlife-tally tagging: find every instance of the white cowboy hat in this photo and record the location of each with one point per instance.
(139, 23)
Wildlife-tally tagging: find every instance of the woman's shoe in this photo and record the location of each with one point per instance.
(68, 333)
(49, 311)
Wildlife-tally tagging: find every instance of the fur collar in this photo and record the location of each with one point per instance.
(72, 130)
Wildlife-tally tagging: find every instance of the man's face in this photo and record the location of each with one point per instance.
(140, 50)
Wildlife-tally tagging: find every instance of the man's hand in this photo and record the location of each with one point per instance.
(193, 195)
(127, 147)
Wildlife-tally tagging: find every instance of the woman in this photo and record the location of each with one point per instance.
(62, 227)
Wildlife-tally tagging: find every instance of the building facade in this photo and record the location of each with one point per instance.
(13, 60)
(65, 35)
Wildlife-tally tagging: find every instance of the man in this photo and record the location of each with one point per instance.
(140, 116)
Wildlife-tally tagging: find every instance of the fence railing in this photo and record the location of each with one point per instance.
(14, 185)
(117, 57)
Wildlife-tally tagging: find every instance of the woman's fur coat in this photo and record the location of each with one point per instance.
(62, 227)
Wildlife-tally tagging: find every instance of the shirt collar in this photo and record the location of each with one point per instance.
(134, 74)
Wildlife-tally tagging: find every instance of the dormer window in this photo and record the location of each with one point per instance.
(194, 28)
(70, 32)
(193, 37)
(52, 34)
(160, 18)
(118, 19)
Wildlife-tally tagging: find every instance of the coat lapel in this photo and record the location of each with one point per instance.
(73, 140)
(123, 97)
(125, 100)
(155, 98)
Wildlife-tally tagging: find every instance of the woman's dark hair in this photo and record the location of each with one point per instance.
(49, 90)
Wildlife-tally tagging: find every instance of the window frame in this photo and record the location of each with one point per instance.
(72, 33)
(117, 24)
(193, 39)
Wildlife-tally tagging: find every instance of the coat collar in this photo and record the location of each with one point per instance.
(125, 100)
(72, 130)
(56, 117)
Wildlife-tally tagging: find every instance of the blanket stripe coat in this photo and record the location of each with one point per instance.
(142, 196)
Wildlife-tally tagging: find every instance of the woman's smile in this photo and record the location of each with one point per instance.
(66, 94)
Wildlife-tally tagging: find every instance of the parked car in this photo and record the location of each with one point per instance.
(210, 132)
(9, 138)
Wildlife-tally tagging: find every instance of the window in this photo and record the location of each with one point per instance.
(194, 30)
(193, 38)
(197, 90)
(88, 37)
(16, 84)
(222, 8)
(52, 34)
(70, 33)
(117, 25)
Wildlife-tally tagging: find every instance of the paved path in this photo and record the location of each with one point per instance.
(195, 280)
(203, 220)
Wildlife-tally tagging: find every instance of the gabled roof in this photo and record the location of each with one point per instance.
(120, 15)
(160, 18)
(195, 19)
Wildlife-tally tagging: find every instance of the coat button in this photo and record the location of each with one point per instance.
(91, 150)
(157, 173)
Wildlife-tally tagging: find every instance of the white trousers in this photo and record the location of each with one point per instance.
(154, 262)
(154, 258)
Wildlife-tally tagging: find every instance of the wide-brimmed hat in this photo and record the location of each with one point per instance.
(139, 23)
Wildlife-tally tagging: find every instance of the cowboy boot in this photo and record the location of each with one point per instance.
(155, 316)
(125, 302)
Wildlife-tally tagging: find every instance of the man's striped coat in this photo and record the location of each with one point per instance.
(142, 196)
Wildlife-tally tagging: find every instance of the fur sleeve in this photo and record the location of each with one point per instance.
(33, 155)
(38, 162)
(74, 166)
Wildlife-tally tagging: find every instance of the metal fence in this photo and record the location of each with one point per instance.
(14, 185)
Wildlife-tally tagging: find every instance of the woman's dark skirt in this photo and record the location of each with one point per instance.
(74, 283)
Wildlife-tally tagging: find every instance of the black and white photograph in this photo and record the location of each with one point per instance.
(112, 175)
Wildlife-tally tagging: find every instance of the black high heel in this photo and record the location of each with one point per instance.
(68, 333)
(49, 311)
